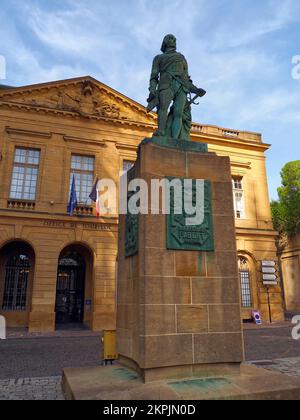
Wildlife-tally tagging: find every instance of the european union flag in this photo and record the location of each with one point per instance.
(73, 202)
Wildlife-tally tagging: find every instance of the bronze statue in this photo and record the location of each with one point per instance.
(170, 82)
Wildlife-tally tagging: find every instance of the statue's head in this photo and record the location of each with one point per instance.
(169, 42)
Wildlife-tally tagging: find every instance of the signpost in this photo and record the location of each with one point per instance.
(269, 270)
(269, 263)
(270, 278)
(269, 304)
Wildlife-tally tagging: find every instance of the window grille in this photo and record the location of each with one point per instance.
(238, 198)
(25, 174)
(82, 167)
(245, 280)
(17, 272)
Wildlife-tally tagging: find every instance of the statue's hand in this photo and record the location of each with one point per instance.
(152, 96)
(201, 92)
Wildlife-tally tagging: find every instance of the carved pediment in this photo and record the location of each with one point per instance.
(85, 97)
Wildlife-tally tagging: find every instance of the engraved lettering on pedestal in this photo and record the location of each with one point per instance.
(180, 236)
(132, 231)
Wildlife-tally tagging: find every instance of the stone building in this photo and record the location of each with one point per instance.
(57, 268)
(290, 265)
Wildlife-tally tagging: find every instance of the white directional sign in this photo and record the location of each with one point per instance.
(269, 270)
(271, 277)
(268, 263)
(270, 283)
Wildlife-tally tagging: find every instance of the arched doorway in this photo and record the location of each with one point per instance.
(17, 261)
(248, 286)
(245, 280)
(74, 268)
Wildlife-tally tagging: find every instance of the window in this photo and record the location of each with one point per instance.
(127, 165)
(238, 197)
(16, 282)
(245, 280)
(82, 167)
(25, 174)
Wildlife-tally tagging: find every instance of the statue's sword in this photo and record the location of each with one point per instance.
(155, 102)
(193, 100)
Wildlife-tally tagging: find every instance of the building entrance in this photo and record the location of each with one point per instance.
(70, 289)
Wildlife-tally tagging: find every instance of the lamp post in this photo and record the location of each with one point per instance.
(269, 304)
(270, 278)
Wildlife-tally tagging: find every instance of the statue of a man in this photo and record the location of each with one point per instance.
(170, 83)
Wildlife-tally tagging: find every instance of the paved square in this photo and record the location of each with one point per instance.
(31, 366)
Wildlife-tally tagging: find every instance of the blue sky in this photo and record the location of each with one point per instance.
(240, 51)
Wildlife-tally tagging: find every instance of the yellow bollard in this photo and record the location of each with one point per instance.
(109, 346)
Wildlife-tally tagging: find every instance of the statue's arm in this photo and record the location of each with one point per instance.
(192, 87)
(154, 78)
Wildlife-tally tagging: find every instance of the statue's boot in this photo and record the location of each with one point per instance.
(159, 133)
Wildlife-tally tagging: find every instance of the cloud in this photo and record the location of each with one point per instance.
(24, 64)
(251, 26)
(74, 31)
(279, 105)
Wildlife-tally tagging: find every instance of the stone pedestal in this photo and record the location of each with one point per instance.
(178, 309)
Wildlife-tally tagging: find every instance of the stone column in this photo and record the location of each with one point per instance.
(178, 312)
(42, 315)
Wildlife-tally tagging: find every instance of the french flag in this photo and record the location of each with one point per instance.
(94, 196)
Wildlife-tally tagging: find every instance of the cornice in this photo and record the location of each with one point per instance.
(126, 146)
(243, 165)
(225, 141)
(22, 132)
(290, 253)
(101, 87)
(208, 138)
(255, 232)
(84, 140)
(75, 115)
(40, 216)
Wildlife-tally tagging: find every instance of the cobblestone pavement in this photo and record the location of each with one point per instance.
(31, 367)
(33, 358)
(271, 343)
(288, 366)
(46, 388)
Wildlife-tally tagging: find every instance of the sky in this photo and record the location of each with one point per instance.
(240, 51)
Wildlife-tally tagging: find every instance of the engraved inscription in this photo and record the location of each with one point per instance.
(180, 236)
